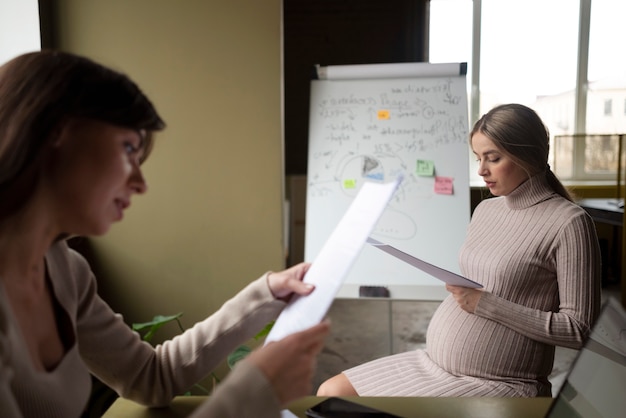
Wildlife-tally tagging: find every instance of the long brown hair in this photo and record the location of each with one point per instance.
(38, 91)
(518, 131)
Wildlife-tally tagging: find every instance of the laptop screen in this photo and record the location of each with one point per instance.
(596, 383)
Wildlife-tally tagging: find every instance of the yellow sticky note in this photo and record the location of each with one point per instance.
(349, 184)
(383, 114)
(425, 168)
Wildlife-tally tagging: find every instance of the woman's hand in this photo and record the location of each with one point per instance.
(289, 364)
(287, 282)
(466, 297)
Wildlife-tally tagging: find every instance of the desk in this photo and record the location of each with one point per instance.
(404, 407)
(607, 211)
(604, 210)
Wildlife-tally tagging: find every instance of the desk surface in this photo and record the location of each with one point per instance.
(404, 407)
(608, 204)
(604, 210)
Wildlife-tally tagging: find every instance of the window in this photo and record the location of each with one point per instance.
(608, 106)
(19, 28)
(606, 74)
(549, 55)
(587, 157)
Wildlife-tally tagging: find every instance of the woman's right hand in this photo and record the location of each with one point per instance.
(289, 364)
(466, 297)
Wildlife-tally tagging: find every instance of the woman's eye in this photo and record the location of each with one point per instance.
(130, 148)
(494, 160)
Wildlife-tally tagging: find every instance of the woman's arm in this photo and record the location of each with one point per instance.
(269, 378)
(153, 375)
(577, 258)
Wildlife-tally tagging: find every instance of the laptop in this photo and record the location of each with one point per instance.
(595, 385)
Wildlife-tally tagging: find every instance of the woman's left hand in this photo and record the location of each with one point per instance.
(466, 297)
(287, 282)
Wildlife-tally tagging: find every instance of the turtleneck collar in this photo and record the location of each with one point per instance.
(529, 193)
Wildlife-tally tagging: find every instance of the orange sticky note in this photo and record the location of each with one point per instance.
(444, 185)
(383, 114)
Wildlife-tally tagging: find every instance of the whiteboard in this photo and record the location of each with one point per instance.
(373, 123)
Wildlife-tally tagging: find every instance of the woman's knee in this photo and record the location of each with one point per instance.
(338, 385)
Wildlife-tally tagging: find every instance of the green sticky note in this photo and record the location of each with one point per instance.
(349, 184)
(425, 168)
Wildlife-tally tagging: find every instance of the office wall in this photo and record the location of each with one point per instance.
(331, 32)
(212, 218)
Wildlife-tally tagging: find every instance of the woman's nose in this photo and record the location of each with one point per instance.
(137, 181)
(482, 170)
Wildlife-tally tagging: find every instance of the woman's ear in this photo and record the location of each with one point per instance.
(57, 134)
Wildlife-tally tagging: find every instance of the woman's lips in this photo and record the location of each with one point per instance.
(121, 205)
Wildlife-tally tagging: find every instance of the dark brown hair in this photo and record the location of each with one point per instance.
(40, 90)
(519, 132)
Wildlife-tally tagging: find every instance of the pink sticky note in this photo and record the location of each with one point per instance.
(443, 185)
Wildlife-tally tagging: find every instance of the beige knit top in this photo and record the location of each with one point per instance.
(538, 258)
(107, 347)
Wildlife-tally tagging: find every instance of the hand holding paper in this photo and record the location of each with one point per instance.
(334, 260)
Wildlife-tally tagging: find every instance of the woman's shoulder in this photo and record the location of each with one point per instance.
(63, 259)
(564, 215)
(69, 272)
(566, 207)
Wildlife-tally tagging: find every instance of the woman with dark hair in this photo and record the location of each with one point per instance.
(73, 135)
(537, 256)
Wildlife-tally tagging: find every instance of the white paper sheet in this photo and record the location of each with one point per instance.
(437, 272)
(331, 265)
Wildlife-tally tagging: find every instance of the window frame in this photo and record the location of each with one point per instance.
(580, 95)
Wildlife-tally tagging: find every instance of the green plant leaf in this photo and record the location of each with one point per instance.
(266, 330)
(157, 322)
(239, 354)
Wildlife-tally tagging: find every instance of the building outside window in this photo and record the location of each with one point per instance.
(608, 106)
